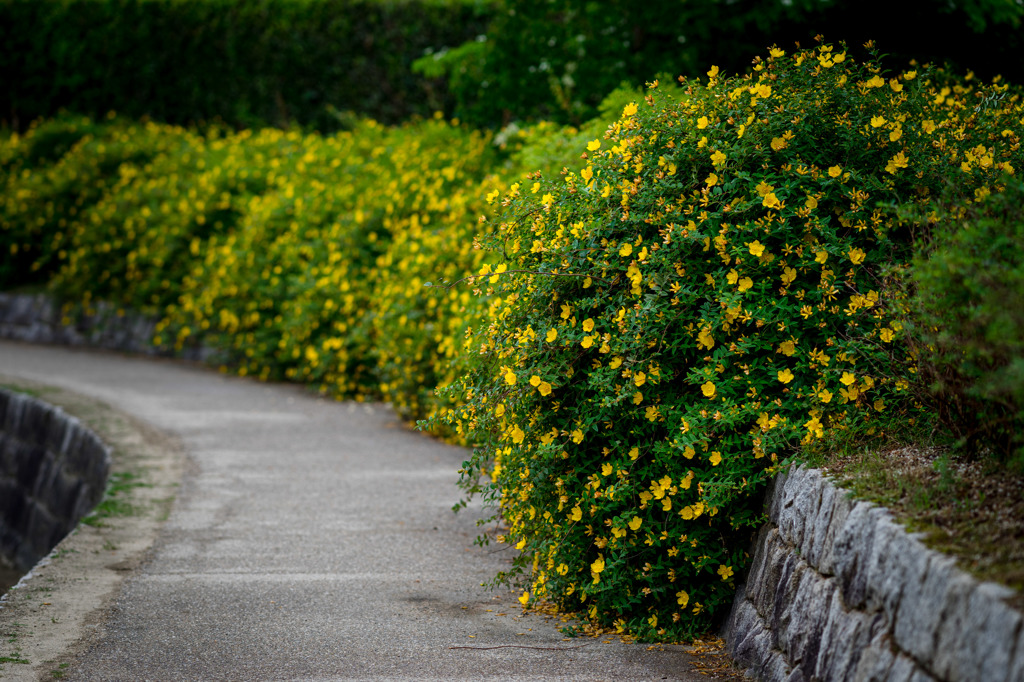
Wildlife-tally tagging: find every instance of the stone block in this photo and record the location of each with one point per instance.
(902, 669)
(894, 560)
(35, 421)
(765, 571)
(845, 637)
(842, 505)
(804, 622)
(875, 660)
(919, 616)
(774, 497)
(789, 513)
(982, 650)
(817, 526)
(784, 599)
(852, 551)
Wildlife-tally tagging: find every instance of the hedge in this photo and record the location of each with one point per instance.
(272, 62)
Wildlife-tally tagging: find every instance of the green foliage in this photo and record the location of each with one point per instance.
(705, 296)
(968, 317)
(299, 256)
(556, 60)
(277, 62)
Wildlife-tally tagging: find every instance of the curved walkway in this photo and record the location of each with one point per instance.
(310, 540)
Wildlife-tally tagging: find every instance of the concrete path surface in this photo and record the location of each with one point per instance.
(310, 540)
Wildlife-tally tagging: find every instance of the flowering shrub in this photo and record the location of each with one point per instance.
(300, 256)
(707, 294)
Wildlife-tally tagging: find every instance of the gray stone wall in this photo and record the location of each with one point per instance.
(838, 591)
(53, 471)
(37, 318)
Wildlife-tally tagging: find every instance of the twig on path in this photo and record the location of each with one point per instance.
(523, 646)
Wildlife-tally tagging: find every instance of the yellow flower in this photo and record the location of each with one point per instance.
(788, 275)
(638, 398)
(593, 145)
(756, 248)
(779, 143)
(598, 565)
(928, 126)
(835, 171)
(634, 453)
(588, 324)
(713, 72)
(499, 410)
(887, 334)
(787, 347)
(847, 379)
(724, 571)
(745, 284)
(708, 389)
(524, 598)
(856, 256)
(566, 311)
(587, 173)
(811, 202)
(639, 379)
(896, 162)
(717, 159)
(702, 122)
(576, 514)
(682, 598)
(551, 335)
(544, 388)
(785, 376)
(770, 200)
(510, 377)
(875, 82)
(821, 256)
(652, 413)
(535, 380)
(606, 469)
(689, 452)
(630, 109)
(877, 121)
(577, 436)
(634, 525)
(711, 180)
(825, 396)
(716, 458)
(517, 435)
(626, 249)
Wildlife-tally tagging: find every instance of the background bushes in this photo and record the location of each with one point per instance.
(557, 59)
(968, 317)
(271, 62)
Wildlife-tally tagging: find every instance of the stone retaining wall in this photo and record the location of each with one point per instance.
(53, 471)
(838, 591)
(37, 318)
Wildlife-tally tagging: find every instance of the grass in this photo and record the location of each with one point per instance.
(968, 508)
(112, 503)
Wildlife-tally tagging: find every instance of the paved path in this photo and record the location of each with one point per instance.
(310, 540)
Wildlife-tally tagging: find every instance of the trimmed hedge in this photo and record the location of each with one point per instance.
(246, 63)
